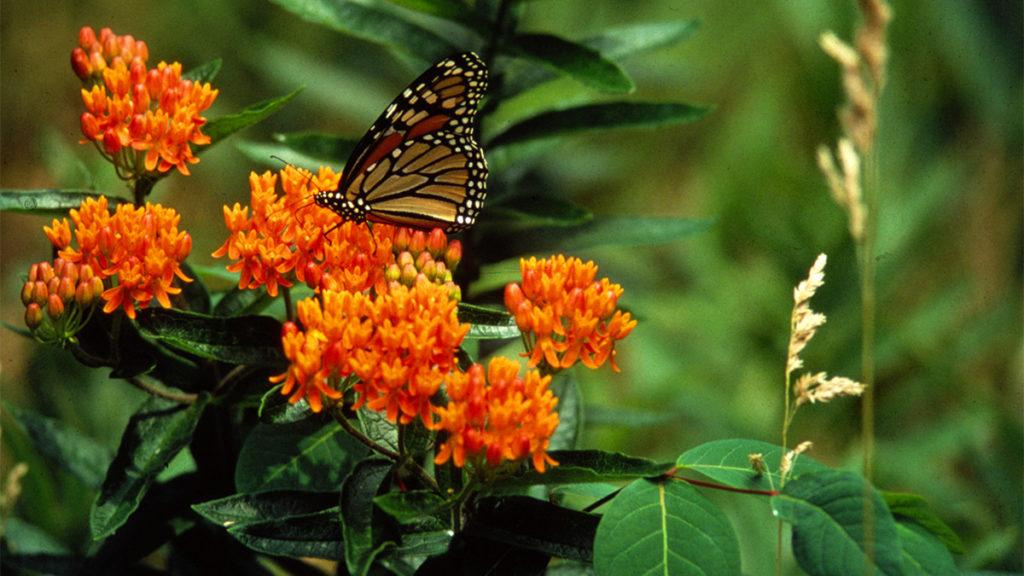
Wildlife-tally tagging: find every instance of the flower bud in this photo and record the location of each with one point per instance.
(429, 269)
(90, 126)
(513, 297)
(408, 276)
(392, 273)
(26, 292)
(83, 295)
(405, 259)
(454, 291)
(54, 306)
(437, 242)
(66, 291)
(33, 316)
(418, 242)
(86, 37)
(39, 293)
(401, 241)
(453, 255)
(96, 286)
(80, 63)
(111, 143)
(46, 272)
(53, 285)
(85, 273)
(422, 259)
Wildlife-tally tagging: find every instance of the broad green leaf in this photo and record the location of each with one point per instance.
(632, 39)
(576, 466)
(452, 10)
(583, 64)
(49, 201)
(923, 554)
(237, 302)
(247, 508)
(728, 462)
(373, 23)
(236, 340)
(602, 116)
(64, 446)
(204, 72)
(531, 524)
(154, 436)
(315, 535)
(333, 149)
(362, 542)
(378, 428)
(412, 505)
(415, 548)
(220, 128)
(570, 411)
(602, 231)
(915, 509)
(826, 511)
(312, 455)
(664, 527)
(275, 408)
(487, 323)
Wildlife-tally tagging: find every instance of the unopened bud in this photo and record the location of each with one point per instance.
(111, 143)
(26, 292)
(55, 306)
(66, 290)
(437, 242)
(401, 241)
(39, 293)
(453, 255)
(33, 316)
(408, 276)
(418, 242)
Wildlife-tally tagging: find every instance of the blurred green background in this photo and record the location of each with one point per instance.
(707, 359)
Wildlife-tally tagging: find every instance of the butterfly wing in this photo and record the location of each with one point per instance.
(419, 164)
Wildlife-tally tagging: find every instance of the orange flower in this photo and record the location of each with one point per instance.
(141, 248)
(497, 419)
(285, 238)
(67, 292)
(565, 315)
(142, 120)
(400, 345)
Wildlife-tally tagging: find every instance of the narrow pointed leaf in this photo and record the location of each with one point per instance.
(570, 411)
(728, 462)
(315, 535)
(311, 455)
(576, 466)
(238, 302)
(826, 511)
(664, 528)
(195, 294)
(362, 543)
(534, 211)
(583, 64)
(915, 509)
(604, 116)
(513, 520)
(452, 10)
(411, 506)
(66, 447)
(329, 147)
(49, 201)
(373, 24)
(220, 128)
(247, 508)
(154, 436)
(632, 39)
(487, 323)
(204, 72)
(236, 340)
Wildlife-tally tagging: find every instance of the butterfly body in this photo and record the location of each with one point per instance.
(419, 164)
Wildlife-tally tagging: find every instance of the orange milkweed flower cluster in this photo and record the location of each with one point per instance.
(497, 418)
(400, 344)
(565, 315)
(142, 120)
(66, 292)
(281, 240)
(140, 248)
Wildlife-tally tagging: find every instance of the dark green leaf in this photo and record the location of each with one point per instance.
(602, 231)
(204, 73)
(576, 466)
(28, 539)
(49, 201)
(83, 457)
(570, 411)
(237, 302)
(487, 323)
(826, 511)
(220, 128)
(54, 564)
(311, 455)
(915, 509)
(664, 528)
(154, 436)
(373, 24)
(362, 542)
(315, 535)
(583, 64)
(248, 508)
(453, 10)
(411, 506)
(532, 211)
(195, 293)
(515, 520)
(923, 554)
(378, 428)
(329, 148)
(602, 116)
(237, 340)
(634, 39)
(275, 408)
(727, 462)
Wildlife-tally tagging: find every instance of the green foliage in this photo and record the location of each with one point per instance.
(269, 480)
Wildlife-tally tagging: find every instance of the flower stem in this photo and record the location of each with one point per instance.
(161, 392)
(363, 438)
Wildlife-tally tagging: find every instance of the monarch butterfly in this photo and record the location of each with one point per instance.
(419, 164)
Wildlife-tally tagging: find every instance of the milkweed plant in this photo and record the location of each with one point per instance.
(352, 398)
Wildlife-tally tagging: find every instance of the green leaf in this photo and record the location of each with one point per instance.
(237, 340)
(312, 455)
(49, 201)
(196, 296)
(247, 508)
(331, 148)
(915, 509)
(516, 520)
(220, 128)
(204, 73)
(154, 436)
(633, 39)
(27, 539)
(727, 462)
(362, 542)
(577, 466)
(583, 64)
(602, 231)
(64, 446)
(826, 511)
(602, 116)
(237, 302)
(532, 211)
(315, 535)
(570, 411)
(452, 10)
(372, 23)
(923, 554)
(664, 528)
(376, 426)
(411, 506)
(487, 323)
